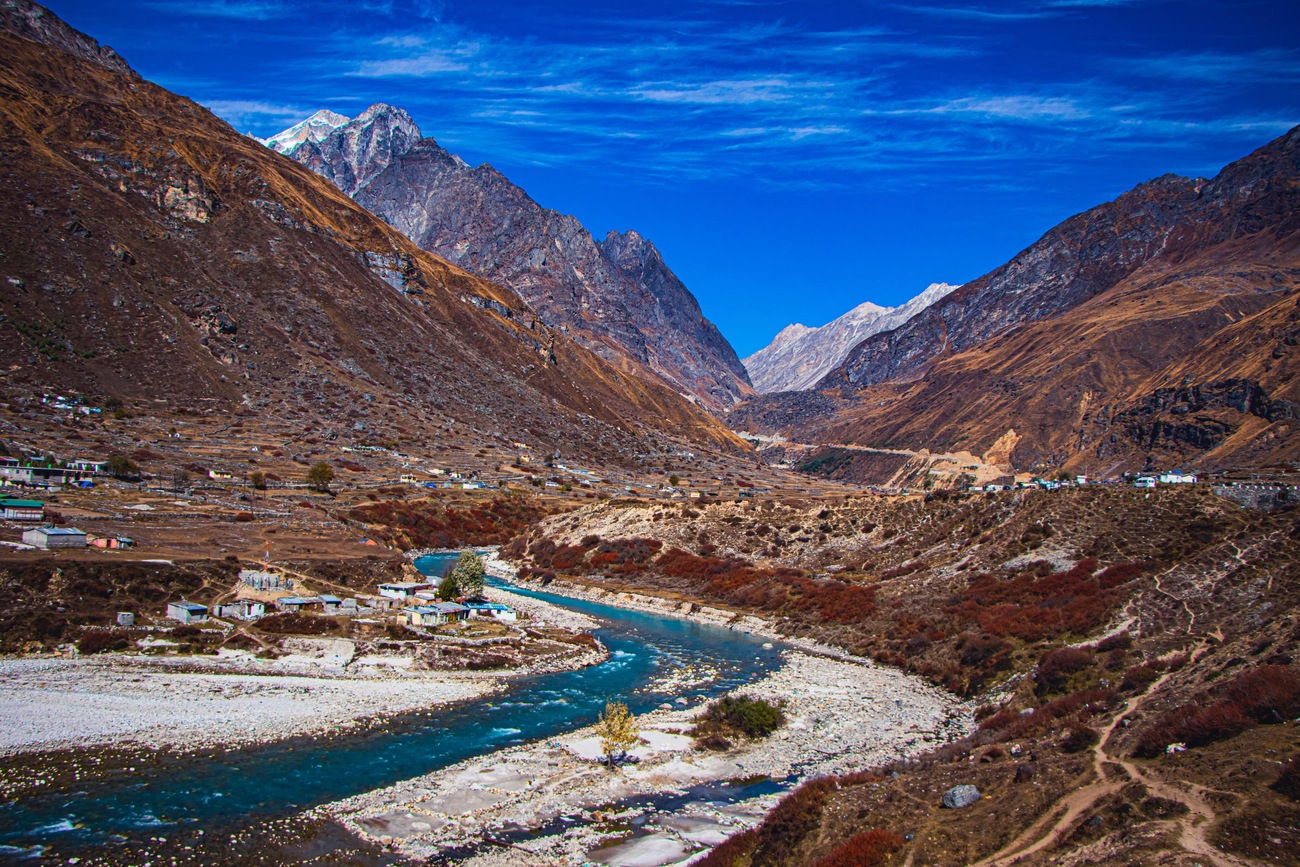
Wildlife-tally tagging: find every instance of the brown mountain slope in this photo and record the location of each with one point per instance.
(1189, 360)
(1169, 218)
(151, 251)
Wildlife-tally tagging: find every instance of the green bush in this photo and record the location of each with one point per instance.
(740, 715)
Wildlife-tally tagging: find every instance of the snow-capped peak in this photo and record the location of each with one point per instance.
(314, 129)
(799, 356)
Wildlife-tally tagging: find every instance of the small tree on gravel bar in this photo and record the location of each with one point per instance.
(617, 730)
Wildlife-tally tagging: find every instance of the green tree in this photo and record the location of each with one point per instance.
(447, 589)
(319, 477)
(673, 480)
(257, 479)
(617, 730)
(122, 467)
(467, 575)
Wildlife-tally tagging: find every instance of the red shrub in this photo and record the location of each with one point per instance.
(734, 849)
(1193, 726)
(1056, 666)
(1034, 607)
(868, 849)
(792, 819)
(1268, 694)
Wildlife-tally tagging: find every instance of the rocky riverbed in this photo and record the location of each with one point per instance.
(552, 802)
(320, 686)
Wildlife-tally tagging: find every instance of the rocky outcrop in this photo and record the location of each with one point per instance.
(351, 153)
(616, 297)
(799, 356)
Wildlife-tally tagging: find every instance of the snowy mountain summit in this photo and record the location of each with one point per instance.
(799, 356)
(314, 129)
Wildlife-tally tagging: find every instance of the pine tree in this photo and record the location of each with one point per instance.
(467, 575)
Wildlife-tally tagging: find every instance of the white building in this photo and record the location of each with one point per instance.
(1175, 477)
(187, 612)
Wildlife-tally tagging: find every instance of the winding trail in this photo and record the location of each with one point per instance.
(1066, 813)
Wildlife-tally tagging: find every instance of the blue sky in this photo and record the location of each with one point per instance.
(790, 160)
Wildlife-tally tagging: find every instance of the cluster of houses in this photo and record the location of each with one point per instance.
(423, 607)
(48, 474)
(1173, 477)
(415, 603)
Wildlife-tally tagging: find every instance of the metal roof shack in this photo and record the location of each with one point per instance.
(55, 537)
(295, 603)
(432, 615)
(22, 510)
(187, 612)
(495, 610)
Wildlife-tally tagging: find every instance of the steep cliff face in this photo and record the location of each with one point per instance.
(616, 297)
(799, 356)
(153, 253)
(1189, 357)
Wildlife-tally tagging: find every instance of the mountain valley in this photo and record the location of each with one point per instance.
(360, 510)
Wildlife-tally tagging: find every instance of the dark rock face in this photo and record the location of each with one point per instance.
(353, 155)
(617, 297)
(1168, 217)
(1177, 417)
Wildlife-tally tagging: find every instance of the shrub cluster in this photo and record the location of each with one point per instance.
(100, 641)
(1033, 606)
(740, 716)
(295, 624)
(867, 849)
(1265, 695)
(426, 524)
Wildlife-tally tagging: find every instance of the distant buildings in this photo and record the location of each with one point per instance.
(1177, 477)
(404, 589)
(435, 614)
(242, 609)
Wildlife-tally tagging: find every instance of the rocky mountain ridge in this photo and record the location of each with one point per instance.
(617, 297)
(1166, 218)
(799, 356)
(313, 129)
(1155, 331)
(33, 21)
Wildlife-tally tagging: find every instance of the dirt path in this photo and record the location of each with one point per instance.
(1067, 811)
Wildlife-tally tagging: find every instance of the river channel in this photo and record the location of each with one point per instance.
(653, 659)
